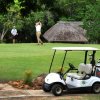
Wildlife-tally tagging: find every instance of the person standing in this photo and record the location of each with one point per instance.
(38, 26)
(14, 33)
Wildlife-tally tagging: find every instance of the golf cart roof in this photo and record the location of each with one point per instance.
(75, 48)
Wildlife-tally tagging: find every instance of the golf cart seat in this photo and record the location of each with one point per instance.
(84, 71)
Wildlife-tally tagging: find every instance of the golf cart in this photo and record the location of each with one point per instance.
(87, 76)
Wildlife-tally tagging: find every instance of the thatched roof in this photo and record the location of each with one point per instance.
(66, 32)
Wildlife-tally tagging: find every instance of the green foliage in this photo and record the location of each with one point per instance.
(11, 18)
(63, 18)
(28, 77)
(15, 15)
(92, 22)
(45, 17)
(71, 9)
(4, 4)
(1, 22)
(24, 13)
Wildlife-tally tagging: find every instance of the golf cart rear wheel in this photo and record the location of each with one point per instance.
(57, 89)
(96, 88)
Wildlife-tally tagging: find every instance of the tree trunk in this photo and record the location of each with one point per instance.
(3, 34)
(1, 38)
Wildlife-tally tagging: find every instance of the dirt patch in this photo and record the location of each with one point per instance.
(35, 85)
(38, 82)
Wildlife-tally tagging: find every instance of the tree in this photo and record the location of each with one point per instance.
(70, 9)
(24, 13)
(36, 5)
(4, 4)
(29, 23)
(92, 22)
(13, 17)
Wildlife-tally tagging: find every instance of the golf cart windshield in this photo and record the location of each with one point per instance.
(65, 49)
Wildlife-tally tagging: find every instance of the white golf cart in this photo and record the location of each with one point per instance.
(87, 75)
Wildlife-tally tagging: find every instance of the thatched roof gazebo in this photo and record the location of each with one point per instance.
(66, 32)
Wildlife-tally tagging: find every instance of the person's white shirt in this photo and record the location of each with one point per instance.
(14, 32)
(38, 28)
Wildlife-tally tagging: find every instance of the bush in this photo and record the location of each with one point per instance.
(28, 77)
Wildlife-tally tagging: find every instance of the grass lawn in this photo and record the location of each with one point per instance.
(91, 97)
(15, 59)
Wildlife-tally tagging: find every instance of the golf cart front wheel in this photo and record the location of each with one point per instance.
(57, 89)
(96, 88)
(46, 88)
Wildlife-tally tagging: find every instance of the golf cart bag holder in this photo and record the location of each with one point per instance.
(97, 71)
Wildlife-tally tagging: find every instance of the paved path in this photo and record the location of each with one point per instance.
(34, 95)
(7, 92)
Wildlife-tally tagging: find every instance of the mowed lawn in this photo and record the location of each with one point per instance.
(15, 59)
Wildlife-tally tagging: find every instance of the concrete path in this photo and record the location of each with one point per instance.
(34, 95)
(8, 92)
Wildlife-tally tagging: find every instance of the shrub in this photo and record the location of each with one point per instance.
(28, 77)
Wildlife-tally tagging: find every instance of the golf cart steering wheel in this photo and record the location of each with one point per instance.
(71, 66)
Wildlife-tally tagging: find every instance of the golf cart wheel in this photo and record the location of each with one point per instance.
(96, 88)
(45, 88)
(57, 89)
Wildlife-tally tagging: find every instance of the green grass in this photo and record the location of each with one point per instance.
(15, 59)
(91, 97)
